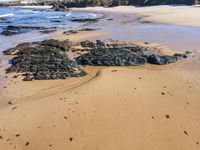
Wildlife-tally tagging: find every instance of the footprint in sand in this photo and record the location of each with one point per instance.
(27, 143)
(163, 93)
(167, 116)
(185, 132)
(70, 139)
(17, 135)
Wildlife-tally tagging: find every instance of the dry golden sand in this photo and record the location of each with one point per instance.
(113, 108)
(178, 15)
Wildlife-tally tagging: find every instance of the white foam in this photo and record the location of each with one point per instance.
(6, 15)
(94, 15)
(53, 17)
(29, 11)
(68, 14)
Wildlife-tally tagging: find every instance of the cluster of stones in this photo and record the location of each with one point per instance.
(44, 60)
(122, 54)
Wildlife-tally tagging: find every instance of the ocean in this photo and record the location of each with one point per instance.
(37, 18)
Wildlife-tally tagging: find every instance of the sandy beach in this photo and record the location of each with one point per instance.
(149, 107)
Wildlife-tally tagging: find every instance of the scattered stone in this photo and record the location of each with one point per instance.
(17, 135)
(27, 143)
(146, 43)
(167, 116)
(70, 139)
(1, 137)
(15, 76)
(152, 117)
(185, 132)
(14, 108)
(65, 117)
(197, 143)
(10, 103)
(163, 93)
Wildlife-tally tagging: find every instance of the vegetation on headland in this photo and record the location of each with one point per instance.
(108, 3)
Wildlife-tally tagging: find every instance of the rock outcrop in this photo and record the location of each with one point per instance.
(44, 61)
(116, 54)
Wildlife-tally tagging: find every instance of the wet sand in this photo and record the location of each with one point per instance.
(146, 108)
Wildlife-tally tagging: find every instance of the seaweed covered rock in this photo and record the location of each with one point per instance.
(122, 54)
(44, 61)
(161, 60)
(61, 45)
(103, 54)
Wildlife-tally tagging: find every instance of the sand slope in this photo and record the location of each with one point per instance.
(119, 109)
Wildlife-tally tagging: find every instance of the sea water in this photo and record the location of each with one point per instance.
(37, 18)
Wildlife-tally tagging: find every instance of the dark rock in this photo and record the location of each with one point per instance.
(110, 19)
(181, 56)
(70, 32)
(63, 45)
(161, 60)
(115, 53)
(101, 55)
(44, 60)
(9, 33)
(28, 78)
(47, 31)
(89, 29)
(13, 30)
(84, 19)
(100, 43)
(59, 6)
(87, 43)
(18, 28)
